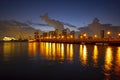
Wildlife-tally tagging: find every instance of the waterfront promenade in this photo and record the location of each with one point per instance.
(86, 41)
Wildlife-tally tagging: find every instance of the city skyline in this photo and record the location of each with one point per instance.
(75, 12)
(60, 39)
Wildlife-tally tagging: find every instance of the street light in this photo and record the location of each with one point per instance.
(81, 36)
(84, 35)
(67, 37)
(108, 33)
(62, 36)
(95, 36)
(54, 37)
(71, 36)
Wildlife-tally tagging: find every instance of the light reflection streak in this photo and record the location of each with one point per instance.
(108, 59)
(46, 50)
(52, 51)
(80, 52)
(58, 51)
(95, 56)
(83, 54)
(108, 63)
(41, 48)
(62, 51)
(32, 49)
(70, 52)
(8, 49)
(117, 66)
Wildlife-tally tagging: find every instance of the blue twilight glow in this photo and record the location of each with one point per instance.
(76, 12)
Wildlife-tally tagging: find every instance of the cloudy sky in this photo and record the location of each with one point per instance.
(76, 12)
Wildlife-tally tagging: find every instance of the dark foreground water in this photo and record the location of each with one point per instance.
(57, 61)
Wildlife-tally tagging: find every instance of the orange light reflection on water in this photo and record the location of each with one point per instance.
(58, 52)
(53, 47)
(62, 51)
(8, 49)
(95, 56)
(117, 67)
(52, 51)
(70, 52)
(80, 52)
(83, 54)
(108, 59)
(32, 49)
(108, 63)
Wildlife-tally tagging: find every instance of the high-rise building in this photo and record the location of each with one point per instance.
(36, 35)
(102, 33)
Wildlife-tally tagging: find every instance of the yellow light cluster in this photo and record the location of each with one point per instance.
(8, 38)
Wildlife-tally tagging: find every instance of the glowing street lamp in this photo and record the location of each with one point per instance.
(67, 37)
(62, 36)
(109, 33)
(71, 36)
(119, 34)
(95, 36)
(84, 35)
(47, 37)
(81, 36)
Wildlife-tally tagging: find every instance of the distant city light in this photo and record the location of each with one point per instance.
(81, 36)
(119, 34)
(84, 35)
(71, 36)
(54, 37)
(95, 36)
(47, 37)
(67, 37)
(108, 32)
(62, 36)
(8, 38)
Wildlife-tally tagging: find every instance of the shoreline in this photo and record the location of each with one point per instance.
(74, 41)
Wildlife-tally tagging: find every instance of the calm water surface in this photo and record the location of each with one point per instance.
(58, 61)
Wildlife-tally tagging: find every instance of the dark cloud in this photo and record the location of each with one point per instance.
(38, 24)
(56, 24)
(70, 25)
(13, 28)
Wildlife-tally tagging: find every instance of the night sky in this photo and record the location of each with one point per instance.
(77, 12)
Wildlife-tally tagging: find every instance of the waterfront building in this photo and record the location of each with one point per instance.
(72, 34)
(8, 38)
(45, 35)
(36, 35)
(96, 28)
(64, 33)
